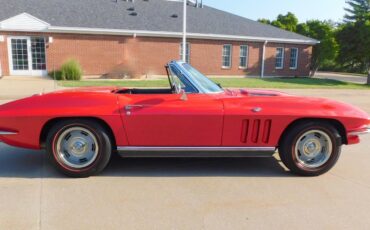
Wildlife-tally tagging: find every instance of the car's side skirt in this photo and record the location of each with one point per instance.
(138, 151)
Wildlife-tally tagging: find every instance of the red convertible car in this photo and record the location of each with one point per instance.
(194, 117)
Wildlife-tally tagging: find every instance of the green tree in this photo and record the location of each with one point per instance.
(357, 11)
(326, 51)
(354, 37)
(264, 21)
(287, 22)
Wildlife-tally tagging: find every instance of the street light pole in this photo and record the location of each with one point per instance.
(184, 32)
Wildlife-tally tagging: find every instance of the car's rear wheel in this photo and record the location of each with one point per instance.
(310, 148)
(79, 148)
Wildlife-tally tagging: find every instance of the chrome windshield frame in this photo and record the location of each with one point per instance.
(201, 90)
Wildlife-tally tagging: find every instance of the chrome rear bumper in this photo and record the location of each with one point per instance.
(6, 133)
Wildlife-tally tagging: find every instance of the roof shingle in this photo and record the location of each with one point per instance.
(152, 15)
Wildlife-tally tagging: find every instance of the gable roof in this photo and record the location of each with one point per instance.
(153, 16)
(24, 21)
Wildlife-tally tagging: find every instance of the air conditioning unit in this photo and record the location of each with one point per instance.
(196, 3)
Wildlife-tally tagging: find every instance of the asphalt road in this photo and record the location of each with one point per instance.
(342, 77)
(189, 193)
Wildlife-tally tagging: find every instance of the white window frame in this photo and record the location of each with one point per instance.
(282, 58)
(246, 56)
(30, 71)
(296, 58)
(187, 58)
(230, 57)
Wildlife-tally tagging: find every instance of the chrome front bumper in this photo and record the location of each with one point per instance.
(363, 131)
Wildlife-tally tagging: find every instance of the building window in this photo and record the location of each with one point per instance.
(279, 64)
(226, 56)
(243, 63)
(187, 57)
(293, 58)
(38, 53)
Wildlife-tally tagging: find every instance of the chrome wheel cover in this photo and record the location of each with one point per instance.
(77, 147)
(313, 148)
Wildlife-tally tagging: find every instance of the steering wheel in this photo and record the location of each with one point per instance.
(176, 88)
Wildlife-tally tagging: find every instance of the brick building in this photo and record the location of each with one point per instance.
(37, 36)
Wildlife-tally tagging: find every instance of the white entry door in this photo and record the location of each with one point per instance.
(27, 56)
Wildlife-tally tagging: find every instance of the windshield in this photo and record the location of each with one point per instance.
(206, 84)
(177, 79)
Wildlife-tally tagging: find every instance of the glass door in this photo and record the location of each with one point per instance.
(38, 56)
(27, 56)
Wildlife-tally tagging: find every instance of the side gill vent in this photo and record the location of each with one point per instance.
(266, 131)
(245, 128)
(255, 131)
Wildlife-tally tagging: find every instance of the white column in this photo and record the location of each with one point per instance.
(184, 33)
(263, 59)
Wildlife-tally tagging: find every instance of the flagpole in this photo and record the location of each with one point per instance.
(184, 33)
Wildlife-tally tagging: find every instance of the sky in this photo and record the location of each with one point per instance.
(270, 9)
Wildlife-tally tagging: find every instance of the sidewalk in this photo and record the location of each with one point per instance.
(18, 87)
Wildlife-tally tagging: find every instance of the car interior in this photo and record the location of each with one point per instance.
(145, 91)
(176, 83)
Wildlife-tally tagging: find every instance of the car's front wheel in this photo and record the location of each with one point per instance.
(78, 148)
(310, 148)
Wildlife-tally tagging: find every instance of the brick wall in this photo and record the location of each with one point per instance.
(99, 54)
(304, 60)
(148, 55)
(4, 57)
(96, 54)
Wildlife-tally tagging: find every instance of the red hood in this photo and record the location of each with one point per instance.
(291, 104)
(255, 92)
(262, 93)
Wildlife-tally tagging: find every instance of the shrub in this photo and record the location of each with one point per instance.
(56, 75)
(71, 70)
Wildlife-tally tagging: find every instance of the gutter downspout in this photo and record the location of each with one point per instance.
(263, 59)
(184, 31)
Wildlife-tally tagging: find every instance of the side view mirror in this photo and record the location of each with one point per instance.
(184, 96)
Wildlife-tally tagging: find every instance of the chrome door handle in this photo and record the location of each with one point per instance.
(129, 107)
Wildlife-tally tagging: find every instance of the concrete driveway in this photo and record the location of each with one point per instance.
(189, 193)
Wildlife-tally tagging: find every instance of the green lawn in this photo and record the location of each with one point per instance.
(287, 83)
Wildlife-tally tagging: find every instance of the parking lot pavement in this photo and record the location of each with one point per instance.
(255, 193)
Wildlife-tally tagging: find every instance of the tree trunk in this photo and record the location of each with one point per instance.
(314, 67)
(368, 73)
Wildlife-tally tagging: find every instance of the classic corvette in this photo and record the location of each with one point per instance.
(194, 117)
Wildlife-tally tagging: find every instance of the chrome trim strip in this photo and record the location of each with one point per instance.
(8, 133)
(217, 149)
(194, 152)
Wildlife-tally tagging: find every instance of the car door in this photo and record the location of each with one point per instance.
(167, 120)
